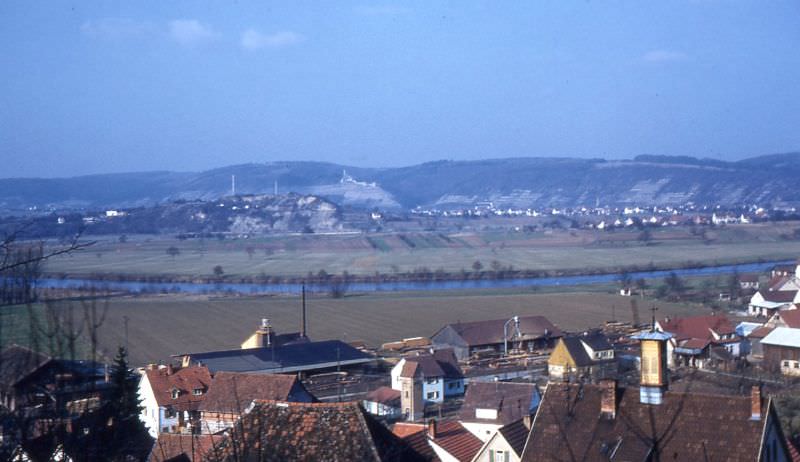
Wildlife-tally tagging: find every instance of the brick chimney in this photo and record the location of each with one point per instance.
(608, 398)
(755, 403)
(170, 369)
(432, 428)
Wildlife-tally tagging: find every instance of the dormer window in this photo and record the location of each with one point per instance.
(175, 393)
(197, 391)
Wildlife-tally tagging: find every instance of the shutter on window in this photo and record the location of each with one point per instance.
(506, 456)
(491, 455)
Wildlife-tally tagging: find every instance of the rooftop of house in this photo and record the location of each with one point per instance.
(515, 434)
(760, 332)
(17, 363)
(778, 296)
(275, 430)
(384, 395)
(165, 380)
(511, 401)
(597, 341)
(698, 327)
(451, 436)
(234, 391)
(790, 317)
(440, 363)
(284, 358)
(491, 331)
(783, 336)
(748, 278)
(172, 447)
(685, 426)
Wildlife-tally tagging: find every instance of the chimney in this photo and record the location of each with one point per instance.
(432, 428)
(608, 398)
(170, 369)
(152, 366)
(526, 420)
(755, 403)
(303, 323)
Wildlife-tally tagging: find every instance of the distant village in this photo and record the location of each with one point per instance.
(518, 389)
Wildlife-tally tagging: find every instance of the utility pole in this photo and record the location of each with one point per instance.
(125, 321)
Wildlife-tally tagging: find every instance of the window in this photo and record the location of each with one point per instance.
(797, 365)
(175, 393)
(786, 364)
(197, 391)
(500, 456)
(430, 381)
(433, 395)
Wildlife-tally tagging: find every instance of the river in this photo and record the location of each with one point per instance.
(397, 286)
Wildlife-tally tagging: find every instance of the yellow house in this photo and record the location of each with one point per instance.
(589, 355)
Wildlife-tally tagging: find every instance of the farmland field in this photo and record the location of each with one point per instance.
(389, 253)
(159, 326)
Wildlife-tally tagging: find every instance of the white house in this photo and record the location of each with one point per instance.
(170, 396)
(506, 444)
(438, 373)
(384, 402)
(768, 302)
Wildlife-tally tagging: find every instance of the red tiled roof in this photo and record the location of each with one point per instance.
(403, 429)
(695, 343)
(685, 426)
(457, 440)
(441, 363)
(418, 442)
(384, 395)
(790, 317)
(760, 332)
(191, 448)
(185, 380)
(333, 432)
(698, 326)
(234, 391)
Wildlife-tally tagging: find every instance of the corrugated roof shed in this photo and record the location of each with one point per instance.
(783, 336)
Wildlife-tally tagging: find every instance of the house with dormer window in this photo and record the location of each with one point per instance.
(170, 398)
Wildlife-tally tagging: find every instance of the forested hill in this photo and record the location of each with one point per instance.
(558, 182)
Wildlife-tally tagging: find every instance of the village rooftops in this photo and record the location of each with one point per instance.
(498, 402)
(491, 332)
(17, 363)
(295, 357)
(171, 447)
(790, 317)
(783, 336)
(234, 392)
(182, 388)
(441, 363)
(384, 395)
(597, 341)
(699, 327)
(275, 430)
(601, 423)
(448, 436)
(778, 296)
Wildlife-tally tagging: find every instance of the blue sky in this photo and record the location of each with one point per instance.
(91, 87)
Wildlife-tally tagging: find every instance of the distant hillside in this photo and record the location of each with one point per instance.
(239, 215)
(557, 182)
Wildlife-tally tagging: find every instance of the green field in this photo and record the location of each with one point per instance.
(159, 326)
(366, 255)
